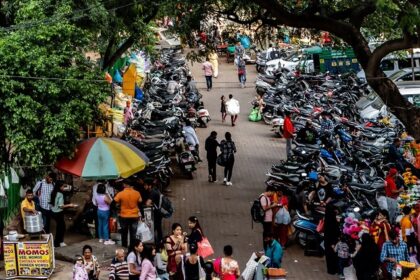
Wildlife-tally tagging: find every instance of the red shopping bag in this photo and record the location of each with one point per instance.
(320, 227)
(204, 248)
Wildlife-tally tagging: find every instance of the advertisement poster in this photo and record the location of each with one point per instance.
(34, 259)
(10, 259)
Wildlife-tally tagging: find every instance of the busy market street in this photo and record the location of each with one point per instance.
(209, 140)
(223, 211)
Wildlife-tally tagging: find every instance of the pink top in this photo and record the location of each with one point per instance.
(208, 69)
(265, 202)
(128, 114)
(148, 271)
(100, 201)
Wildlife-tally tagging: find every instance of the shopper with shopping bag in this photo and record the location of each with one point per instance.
(233, 109)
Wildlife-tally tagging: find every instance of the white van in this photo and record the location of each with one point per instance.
(392, 64)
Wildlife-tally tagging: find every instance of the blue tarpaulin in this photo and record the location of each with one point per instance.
(245, 42)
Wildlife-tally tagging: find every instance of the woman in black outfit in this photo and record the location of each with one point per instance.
(331, 236)
(196, 231)
(366, 258)
(228, 149)
(193, 264)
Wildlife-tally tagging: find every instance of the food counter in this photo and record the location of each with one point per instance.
(31, 257)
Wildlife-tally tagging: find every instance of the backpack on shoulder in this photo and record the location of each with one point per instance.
(165, 206)
(257, 211)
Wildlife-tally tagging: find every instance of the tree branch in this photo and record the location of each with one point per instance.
(386, 48)
(360, 13)
(119, 52)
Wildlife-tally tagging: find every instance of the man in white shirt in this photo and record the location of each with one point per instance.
(269, 50)
(42, 191)
(191, 137)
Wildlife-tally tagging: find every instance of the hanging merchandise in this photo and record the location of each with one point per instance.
(117, 77)
(15, 177)
(139, 94)
(3, 197)
(6, 181)
(108, 78)
(2, 192)
(129, 81)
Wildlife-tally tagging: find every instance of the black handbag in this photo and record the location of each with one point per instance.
(221, 160)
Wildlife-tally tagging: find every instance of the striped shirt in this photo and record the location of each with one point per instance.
(119, 270)
(45, 196)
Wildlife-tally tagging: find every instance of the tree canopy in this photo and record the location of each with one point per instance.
(395, 23)
(48, 88)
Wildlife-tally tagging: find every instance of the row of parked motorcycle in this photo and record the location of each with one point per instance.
(170, 98)
(348, 150)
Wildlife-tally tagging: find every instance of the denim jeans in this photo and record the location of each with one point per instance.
(46, 219)
(289, 147)
(128, 224)
(103, 224)
(209, 82)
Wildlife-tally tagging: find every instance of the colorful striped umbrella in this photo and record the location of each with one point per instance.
(104, 158)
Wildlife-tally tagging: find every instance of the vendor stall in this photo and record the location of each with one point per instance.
(31, 257)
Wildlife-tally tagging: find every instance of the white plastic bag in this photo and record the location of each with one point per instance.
(2, 192)
(251, 266)
(232, 107)
(6, 182)
(143, 232)
(382, 203)
(282, 217)
(15, 177)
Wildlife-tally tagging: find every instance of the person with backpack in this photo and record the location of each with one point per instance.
(241, 72)
(267, 205)
(162, 206)
(42, 191)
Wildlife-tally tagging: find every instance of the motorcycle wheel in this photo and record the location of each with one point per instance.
(300, 238)
(190, 176)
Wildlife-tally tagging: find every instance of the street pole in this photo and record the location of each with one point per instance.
(412, 64)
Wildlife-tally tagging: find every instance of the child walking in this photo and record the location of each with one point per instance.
(223, 108)
(343, 252)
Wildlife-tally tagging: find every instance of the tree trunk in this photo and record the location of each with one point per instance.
(406, 112)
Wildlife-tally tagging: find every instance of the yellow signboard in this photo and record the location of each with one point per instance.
(29, 259)
(10, 260)
(34, 259)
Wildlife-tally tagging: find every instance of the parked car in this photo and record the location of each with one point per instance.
(166, 39)
(393, 64)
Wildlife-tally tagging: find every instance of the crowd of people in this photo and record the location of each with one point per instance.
(177, 256)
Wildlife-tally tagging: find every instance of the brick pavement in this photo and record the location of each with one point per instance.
(224, 212)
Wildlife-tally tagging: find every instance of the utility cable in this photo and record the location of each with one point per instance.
(28, 25)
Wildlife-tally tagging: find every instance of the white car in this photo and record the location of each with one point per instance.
(166, 39)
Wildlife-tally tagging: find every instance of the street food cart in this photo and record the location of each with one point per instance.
(31, 257)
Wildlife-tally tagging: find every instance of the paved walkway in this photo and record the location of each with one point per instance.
(224, 212)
